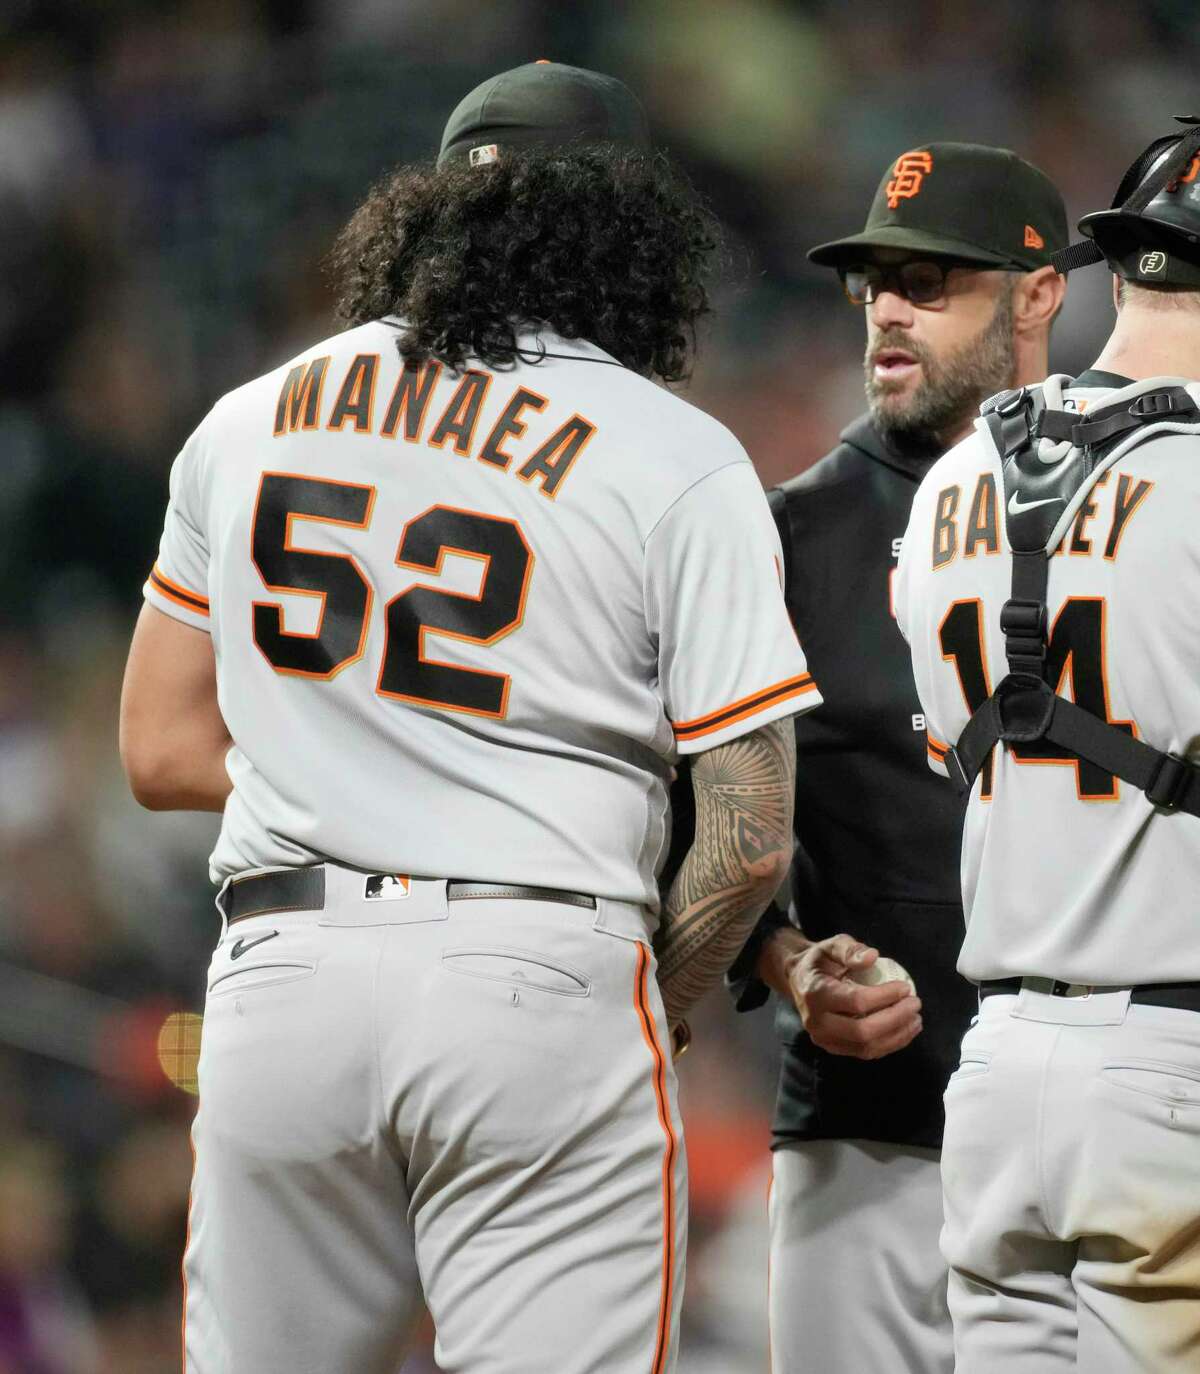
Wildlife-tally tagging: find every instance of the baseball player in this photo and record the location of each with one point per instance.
(952, 271)
(1054, 641)
(438, 606)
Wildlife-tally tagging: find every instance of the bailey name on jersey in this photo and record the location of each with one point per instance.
(301, 406)
(974, 529)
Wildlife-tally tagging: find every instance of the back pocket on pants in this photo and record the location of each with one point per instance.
(261, 976)
(521, 968)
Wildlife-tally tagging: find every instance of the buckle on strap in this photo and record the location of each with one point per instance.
(958, 774)
(1024, 626)
(1010, 402)
(1026, 618)
(1162, 403)
(1168, 781)
(1011, 412)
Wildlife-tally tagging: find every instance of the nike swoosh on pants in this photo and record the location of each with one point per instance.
(242, 945)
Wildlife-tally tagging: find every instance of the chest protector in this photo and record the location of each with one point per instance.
(1051, 458)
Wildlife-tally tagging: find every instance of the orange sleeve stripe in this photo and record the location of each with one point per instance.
(649, 1034)
(938, 748)
(187, 604)
(747, 706)
(162, 584)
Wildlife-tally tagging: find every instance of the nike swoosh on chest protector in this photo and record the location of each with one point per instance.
(1016, 505)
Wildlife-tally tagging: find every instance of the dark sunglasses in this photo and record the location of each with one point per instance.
(920, 280)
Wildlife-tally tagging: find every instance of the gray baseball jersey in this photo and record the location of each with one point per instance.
(464, 624)
(1067, 872)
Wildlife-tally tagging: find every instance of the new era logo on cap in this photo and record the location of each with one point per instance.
(485, 153)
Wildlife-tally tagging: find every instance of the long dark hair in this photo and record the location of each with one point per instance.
(598, 242)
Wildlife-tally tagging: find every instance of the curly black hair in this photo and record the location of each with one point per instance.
(599, 242)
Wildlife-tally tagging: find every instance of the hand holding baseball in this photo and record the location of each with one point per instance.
(852, 1001)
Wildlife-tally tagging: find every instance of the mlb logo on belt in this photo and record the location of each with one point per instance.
(910, 170)
(387, 887)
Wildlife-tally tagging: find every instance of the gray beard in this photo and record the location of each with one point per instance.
(951, 390)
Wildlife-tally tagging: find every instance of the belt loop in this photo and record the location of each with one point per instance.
(219, 903)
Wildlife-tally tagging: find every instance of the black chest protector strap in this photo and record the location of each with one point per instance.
(1025, 708)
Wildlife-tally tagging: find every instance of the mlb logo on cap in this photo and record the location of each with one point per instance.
(541, 105)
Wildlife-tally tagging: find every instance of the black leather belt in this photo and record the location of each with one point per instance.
(1181, 996)
(303, 889)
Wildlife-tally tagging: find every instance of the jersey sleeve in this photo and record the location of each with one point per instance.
(909, 620)
(729, 660)
(178, 581)
(935, 753)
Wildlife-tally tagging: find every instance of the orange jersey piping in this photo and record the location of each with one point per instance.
(191, 601)
(649, 1033)
(747, 706)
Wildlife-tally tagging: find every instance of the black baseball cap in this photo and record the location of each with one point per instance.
(962, 200)
(543, 103)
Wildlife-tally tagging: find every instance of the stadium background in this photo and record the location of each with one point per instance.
(170, 179)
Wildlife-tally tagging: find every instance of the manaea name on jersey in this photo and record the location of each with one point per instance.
(301, 407)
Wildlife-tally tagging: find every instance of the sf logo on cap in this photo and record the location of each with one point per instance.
(1152, 264)
(910, 170)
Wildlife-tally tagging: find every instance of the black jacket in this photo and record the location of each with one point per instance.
(877, 832)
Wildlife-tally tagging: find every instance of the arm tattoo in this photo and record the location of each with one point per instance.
(745, 792)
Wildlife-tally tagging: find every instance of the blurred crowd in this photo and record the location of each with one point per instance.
(171, 176)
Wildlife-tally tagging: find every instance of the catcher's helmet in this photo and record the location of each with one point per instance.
(1151, 233)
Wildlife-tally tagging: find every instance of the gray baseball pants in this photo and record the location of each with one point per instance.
(473, 1099)
(1071, 1170)
(857, 1285)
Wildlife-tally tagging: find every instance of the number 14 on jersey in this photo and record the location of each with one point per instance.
(1075, 652)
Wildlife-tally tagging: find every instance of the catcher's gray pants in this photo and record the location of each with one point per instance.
(1071, 1170)
(857, 1285)
(476, 1092)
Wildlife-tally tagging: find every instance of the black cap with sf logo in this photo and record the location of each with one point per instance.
(960, 200)
(542, 104)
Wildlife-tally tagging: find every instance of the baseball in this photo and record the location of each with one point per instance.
(883, 970)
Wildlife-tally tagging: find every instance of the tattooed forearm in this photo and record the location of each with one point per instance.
(744, 797)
